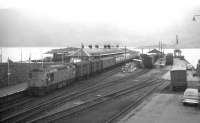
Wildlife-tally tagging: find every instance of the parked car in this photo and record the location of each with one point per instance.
(191, 96)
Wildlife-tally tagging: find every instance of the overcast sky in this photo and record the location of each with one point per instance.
(129, 18)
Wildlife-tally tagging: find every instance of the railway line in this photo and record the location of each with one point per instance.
(19, 100)
(30, 111)
(138, 100)
(90, 104)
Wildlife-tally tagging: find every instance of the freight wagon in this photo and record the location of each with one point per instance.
(169, 59)
(178, 78)
(149, 60)
(108, 62)
(82, 70)
(95, 66)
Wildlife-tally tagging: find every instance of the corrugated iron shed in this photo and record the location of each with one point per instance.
(98, 52)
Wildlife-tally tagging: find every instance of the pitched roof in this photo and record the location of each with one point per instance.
(154, 51)
(63, 50)
(97, 51)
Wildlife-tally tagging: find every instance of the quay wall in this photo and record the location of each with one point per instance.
(18, 72)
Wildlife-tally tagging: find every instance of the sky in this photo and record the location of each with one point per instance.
(142, 17)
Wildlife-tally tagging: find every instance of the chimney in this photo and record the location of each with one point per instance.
(108, 46)
(82, 46)
(96, 46)
(117, 46)
(90, 46)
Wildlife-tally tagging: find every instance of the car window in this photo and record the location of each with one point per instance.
(191, 93)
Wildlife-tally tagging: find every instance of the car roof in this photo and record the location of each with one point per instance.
(191, 91)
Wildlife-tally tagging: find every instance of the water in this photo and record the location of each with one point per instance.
(14, 53)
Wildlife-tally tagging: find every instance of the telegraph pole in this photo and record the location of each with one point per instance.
(30, 56)
(8, 71)
(125, 52)
(42, 58)
(63, 57)
(30, 60)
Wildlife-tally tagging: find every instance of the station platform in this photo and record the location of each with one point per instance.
(164, 108)
(6, 91)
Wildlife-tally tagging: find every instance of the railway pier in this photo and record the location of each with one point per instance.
(115, 95)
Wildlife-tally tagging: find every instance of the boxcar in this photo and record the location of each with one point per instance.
(95, 66)
(108, 62)
(178, 78)
(147, 61)
(83, 70)
(169, 59)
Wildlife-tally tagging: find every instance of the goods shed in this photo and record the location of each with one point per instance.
(85, 54)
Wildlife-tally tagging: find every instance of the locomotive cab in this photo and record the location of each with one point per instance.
(37, 82)
(37, 78)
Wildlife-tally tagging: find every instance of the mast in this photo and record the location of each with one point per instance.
(177, 41)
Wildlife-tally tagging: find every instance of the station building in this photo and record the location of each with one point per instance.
(85, 54)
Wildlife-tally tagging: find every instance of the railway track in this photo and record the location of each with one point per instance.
(9, 103)
(46, 104)
(19, 100)
(133, 105)
(99, 100)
